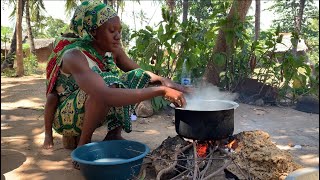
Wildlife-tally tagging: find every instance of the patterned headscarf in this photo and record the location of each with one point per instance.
(90, 15)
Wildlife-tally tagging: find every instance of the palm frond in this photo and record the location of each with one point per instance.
(12, 2)
(70, 6)
(36, 9)
(121, 4)
(13, 13)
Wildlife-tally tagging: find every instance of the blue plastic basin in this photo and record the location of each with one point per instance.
(118, 159)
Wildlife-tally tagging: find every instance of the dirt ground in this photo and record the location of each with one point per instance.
(22, 132)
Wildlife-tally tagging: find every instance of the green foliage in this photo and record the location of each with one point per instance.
(285, 71)
(40, 23)
(287, 10)
(54, 27)
(156, 50)
(6, 34)
(36, 9)
(70, 6)
(125, 34)
(297, 83)
(205, 12)
(48, 27)
(238, 54)
(159, 103)
(246, 58)
(8, 72)
(25, 47)
(30, 64)
(312, 40)
(163, 49)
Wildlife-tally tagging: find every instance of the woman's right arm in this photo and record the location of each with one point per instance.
(75, 63)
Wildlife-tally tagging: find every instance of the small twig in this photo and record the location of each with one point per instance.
(219, 170)
(179, 175)
(240, 169)
(211, 152)
(185, 148)
(202, 173)
(32, 108)
(225, 152)
(170, 168)
(185, 159)
(132, 170)
(138, 131)
(188, 169)
(196, 167)
(185, 167)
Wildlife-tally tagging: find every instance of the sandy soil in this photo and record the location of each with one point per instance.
(22, 132)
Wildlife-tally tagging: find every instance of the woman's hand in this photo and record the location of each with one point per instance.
(168, 83)
(174, 96)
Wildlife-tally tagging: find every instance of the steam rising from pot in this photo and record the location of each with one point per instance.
(210, 98)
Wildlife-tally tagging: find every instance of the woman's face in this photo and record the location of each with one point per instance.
(108, 35)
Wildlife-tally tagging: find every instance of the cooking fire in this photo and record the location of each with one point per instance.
(206, 147)
(234, 157)
(195, 159)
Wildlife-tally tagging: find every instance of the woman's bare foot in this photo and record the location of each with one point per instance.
(70, 142)
(48, 142)
(114, 135)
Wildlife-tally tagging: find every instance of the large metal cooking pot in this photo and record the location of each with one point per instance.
(206, 119)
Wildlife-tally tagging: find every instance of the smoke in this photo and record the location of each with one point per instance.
(200, 98)
(210, 92)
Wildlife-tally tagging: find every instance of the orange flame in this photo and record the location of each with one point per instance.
(202, 150)
(233, 144)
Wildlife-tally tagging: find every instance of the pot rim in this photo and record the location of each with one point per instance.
(235, 105)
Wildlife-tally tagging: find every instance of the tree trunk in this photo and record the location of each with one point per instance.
(300, 14)
(118, 4)
(19, 55)
(253, 59)
(5, 48)
(30, 35)
(185, 9)
(9, 60)
(257, 20)
(239, 9)
(134, 17)
(297, 25)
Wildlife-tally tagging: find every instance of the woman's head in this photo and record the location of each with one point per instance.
(99, 21)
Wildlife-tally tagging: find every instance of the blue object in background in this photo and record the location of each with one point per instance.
(112, 160)
(185, 75)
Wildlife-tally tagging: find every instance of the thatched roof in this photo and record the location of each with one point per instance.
(39, 43)
(286, 44)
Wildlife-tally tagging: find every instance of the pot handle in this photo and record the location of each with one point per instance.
(236, 105)
(172, 105)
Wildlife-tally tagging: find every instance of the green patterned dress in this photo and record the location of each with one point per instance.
(69, 116)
